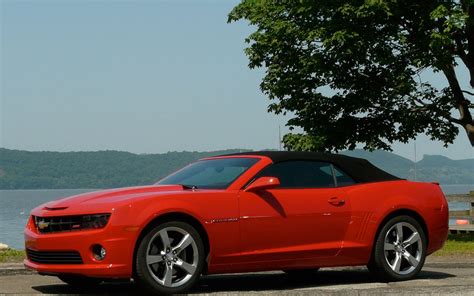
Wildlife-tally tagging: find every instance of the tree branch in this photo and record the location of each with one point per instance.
(424, 106)
(419, 108)
(455, 120)
(460, 51)
(460, 100)
(468, 92)
(420, 102)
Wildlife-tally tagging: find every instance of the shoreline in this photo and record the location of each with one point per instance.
(47, 189)
(471, 192)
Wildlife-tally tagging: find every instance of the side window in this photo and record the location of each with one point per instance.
(342, 178)
(300, 174)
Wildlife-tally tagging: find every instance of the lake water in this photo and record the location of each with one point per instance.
(15, 206)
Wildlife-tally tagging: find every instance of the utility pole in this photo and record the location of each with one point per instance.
(279, 138)
(415, 157)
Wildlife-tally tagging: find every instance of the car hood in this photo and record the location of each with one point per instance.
(111, 196)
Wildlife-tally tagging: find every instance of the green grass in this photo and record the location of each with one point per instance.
(11, 255)
(458, 245)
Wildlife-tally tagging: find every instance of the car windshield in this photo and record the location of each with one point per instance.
(210, 174)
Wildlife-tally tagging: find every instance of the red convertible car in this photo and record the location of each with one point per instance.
(255, 211)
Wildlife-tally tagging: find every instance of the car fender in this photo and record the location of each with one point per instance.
(392, 205)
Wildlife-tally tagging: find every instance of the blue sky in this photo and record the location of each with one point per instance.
(139, 76)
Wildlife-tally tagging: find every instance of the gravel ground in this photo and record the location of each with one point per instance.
(440, 276)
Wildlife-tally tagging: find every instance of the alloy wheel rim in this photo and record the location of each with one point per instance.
(403, 248)
(172, 257)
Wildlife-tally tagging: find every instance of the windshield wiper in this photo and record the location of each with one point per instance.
(188, 187)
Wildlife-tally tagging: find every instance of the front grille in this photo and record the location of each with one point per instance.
(70, 223)
(58, 224)
(49, 257)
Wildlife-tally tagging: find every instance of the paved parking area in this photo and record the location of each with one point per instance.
(437, 279)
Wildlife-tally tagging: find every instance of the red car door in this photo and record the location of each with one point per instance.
(306, 217)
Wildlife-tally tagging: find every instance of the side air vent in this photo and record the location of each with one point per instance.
(54, 257)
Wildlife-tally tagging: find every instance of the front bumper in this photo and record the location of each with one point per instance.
(118, 242)
(90, 270)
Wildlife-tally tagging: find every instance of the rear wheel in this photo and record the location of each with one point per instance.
(400, 250)
(79, 281)
(170, 258)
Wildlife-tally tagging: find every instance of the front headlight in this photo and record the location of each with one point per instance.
(95, 221)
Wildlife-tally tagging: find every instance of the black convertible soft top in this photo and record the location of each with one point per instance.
(361, 170)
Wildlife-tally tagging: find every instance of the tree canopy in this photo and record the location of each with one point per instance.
(352, 72)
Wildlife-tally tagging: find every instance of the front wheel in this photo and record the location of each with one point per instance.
(400, 250)
(170, 258)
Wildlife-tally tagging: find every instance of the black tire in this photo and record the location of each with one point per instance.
(80, 281)
(143, 275)
(301, 273)
(379, 263)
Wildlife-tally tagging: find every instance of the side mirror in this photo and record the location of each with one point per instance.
(263, 183)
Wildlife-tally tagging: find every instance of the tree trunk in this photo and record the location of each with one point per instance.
(465, 117)
(466, 120)
(470, 132)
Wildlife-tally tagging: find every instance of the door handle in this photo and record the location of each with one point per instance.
(336, 201)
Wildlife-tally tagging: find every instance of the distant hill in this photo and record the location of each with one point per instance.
(431, 168)
(102, 169)
(106, 169)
